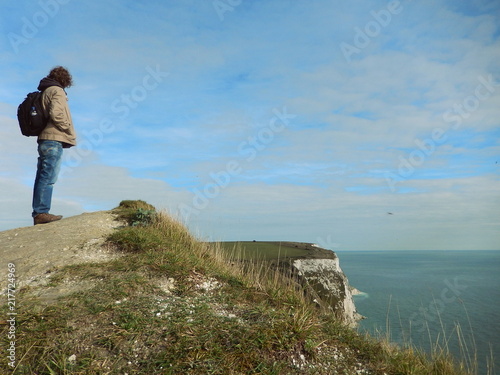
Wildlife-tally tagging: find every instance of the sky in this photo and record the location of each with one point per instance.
(355, 125)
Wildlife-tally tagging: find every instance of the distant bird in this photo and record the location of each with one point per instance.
(390, 213)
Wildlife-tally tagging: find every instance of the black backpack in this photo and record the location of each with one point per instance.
(32, 119)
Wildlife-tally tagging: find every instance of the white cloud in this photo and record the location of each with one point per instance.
(321, 176)
(458, 214)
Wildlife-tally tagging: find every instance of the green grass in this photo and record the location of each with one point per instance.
(250, 250)
(174, 305)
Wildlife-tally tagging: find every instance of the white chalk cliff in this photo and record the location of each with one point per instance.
(319, 272)
(331, 285)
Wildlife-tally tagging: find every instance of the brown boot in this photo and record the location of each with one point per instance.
(45, 218)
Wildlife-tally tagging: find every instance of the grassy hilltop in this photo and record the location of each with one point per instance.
(170, 304)
(273, 250)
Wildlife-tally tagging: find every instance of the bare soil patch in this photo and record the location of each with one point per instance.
(38, 251)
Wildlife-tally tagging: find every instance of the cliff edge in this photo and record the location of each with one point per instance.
(131, 291)
(39, 250)
(316, 269)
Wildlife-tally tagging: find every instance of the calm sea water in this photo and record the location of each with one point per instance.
(424, 296)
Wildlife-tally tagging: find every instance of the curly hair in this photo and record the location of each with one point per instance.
(61, 75)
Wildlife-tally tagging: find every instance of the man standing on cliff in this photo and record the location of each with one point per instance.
(58, 134)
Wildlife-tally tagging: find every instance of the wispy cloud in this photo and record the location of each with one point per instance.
(405, 124)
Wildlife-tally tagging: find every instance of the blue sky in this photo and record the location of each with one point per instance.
(269, 120)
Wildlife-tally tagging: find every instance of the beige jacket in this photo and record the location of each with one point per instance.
(60, 125)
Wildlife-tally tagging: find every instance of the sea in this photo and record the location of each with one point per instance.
(431, 299)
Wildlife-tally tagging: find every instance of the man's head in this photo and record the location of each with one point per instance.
(61, 75)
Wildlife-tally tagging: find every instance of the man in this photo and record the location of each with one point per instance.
(58, 134)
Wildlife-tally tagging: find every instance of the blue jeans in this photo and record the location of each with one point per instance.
(49, 163)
